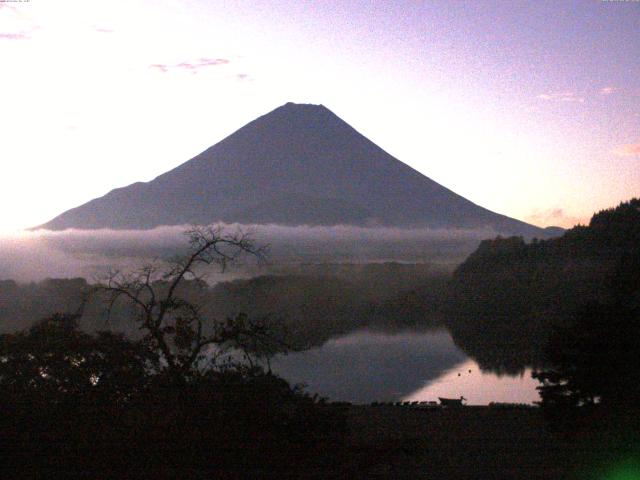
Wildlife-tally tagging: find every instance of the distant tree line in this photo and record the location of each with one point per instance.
(307, 306)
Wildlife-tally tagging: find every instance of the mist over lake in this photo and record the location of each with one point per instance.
(33, 256)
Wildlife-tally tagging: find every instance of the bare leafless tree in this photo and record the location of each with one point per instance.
(174, 326)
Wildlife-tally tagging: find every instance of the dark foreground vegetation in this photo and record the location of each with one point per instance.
(87, 406)
(176, 401)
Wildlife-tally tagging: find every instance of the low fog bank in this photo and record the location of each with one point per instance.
(36, 255)
(32, 258)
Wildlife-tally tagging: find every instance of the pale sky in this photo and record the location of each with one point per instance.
(528, 109)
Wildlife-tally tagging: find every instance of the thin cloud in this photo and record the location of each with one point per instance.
(210, 62)
(561, 97)
(608, 90)
(161, 67)
(14, 36)
(192, 67)
(103, 30)
(242, 77)
(628, 150)
(554, 217)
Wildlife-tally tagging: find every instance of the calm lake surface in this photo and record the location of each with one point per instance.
(366, 366)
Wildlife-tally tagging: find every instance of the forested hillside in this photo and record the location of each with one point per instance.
(506, 298)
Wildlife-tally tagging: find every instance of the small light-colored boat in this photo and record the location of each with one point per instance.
(452, 402)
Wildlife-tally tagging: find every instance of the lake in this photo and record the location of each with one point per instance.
(366, 366)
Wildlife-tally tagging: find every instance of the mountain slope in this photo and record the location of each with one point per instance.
(299, 164)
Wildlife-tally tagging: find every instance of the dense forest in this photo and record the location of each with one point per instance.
(509, 297)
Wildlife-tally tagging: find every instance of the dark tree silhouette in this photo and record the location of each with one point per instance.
(596, 358)
(54, 361)
(106, 405)
(175, 326)
(95, 406)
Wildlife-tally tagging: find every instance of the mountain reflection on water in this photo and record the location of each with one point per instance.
(366, 366)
